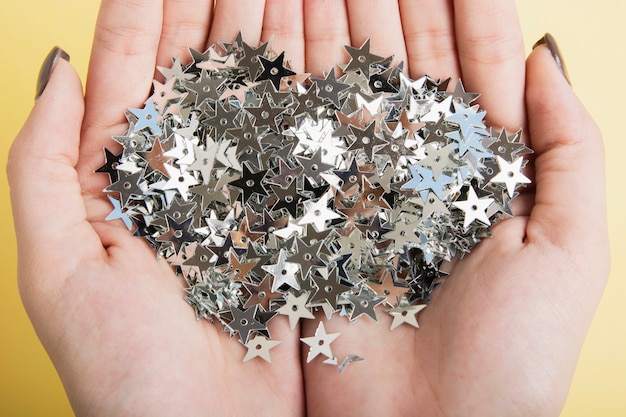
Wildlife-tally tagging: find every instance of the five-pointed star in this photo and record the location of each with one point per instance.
(259, 346)
(204, 159)
(274, 70)
(405, 313)
(508, 146)
(307, 256)
(318, 213)
(361, 58)
(295, 308)
(329, 88)
(510, 174)
(261, 294)
(110, 166)
(179, 180)
(250, 58)
(412, 127)
(177, 233)
(238, 269)
(155, 158)
(117, 213)
(308, 103)
(364, 303)
(266, 115)
(314, 167)
(437, 159)
(206, 88)
(147, 118)
(250, 183)
(283, 272)
(176, 71)
(128, 185)
(200, 259)
(373, 196)
(368, 140)
(320, 343)
(223, 120)
(433, 205)
(164, 93)
(287, 198)
(247, 136)
(328, 290)
(353, 175)
(475, 208)
(459, 91)
(244, 322)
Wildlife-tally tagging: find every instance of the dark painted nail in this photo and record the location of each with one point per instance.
(549, 41)
(47, 67)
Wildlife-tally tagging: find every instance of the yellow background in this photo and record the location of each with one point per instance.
(591, 35)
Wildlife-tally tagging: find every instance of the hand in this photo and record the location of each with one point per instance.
(501, 336)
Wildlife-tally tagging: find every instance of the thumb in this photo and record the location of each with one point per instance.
(45, 192)
(570, 201)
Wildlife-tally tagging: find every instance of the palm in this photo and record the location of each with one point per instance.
(134, 338)
(473, 341)
(126, 342)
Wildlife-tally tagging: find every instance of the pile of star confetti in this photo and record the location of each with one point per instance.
(276, 193)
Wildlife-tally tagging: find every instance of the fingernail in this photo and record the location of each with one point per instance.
(549, 41)
(47, 67)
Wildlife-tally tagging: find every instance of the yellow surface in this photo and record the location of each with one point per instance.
(591, 36)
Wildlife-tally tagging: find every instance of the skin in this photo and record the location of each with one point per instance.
(502, 335)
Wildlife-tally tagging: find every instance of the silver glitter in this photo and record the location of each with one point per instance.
(273, 192)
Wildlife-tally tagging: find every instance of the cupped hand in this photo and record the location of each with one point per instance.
(501, 336)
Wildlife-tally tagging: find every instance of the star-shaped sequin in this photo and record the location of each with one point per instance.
(244, 322)
(405, 313)
(295, 308)
(259, 347)
(320, 343)
(474, 208)
(284, 272)
(274, 70)
(510, 174)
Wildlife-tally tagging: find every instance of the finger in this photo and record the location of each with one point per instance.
(121, 70)
(378, 20)
(569, 165)
(283, 24)
(491, 56)
(429, 36)
(47, 205)
(327, 32)
(185, 25)
(122, 63)
(233, 16)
